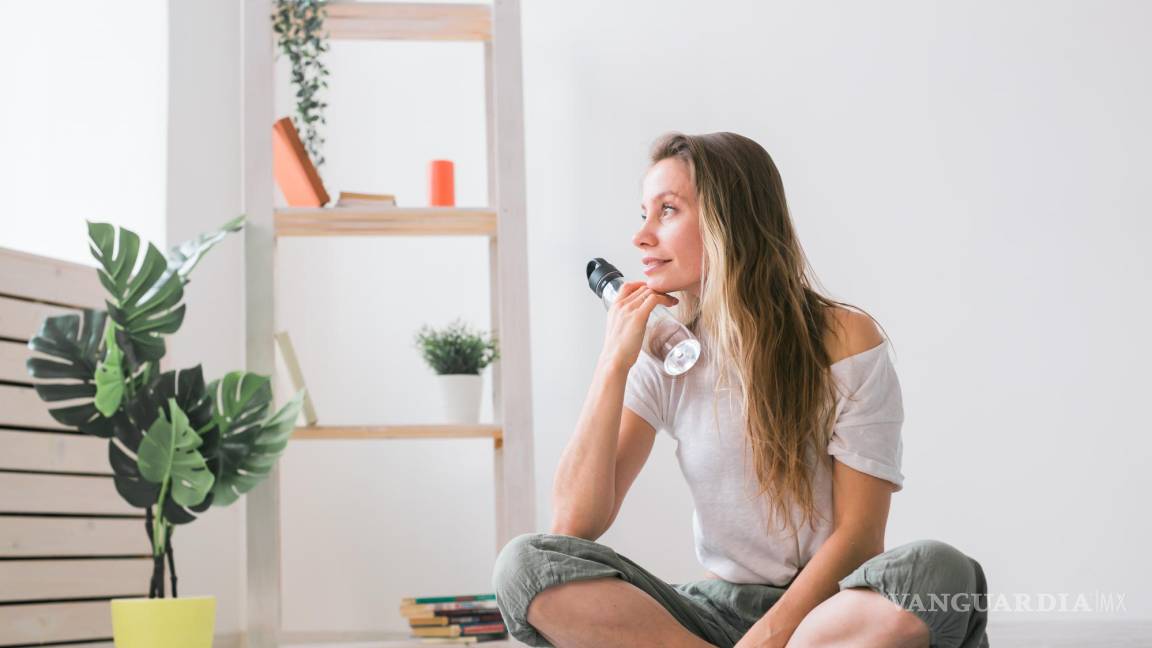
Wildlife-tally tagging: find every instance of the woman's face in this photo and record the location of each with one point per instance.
(669, 239)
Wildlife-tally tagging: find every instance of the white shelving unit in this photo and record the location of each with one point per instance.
(502, 222)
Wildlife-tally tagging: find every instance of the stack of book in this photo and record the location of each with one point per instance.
(465, 619)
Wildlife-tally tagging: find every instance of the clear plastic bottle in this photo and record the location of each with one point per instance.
(665, 338)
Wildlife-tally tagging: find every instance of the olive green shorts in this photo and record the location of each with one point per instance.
(932, 579)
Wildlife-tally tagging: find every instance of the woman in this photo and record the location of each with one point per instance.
(791, 385)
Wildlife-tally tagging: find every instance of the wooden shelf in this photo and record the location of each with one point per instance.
(386, 221)
(449, 431)
(409, 21)
(495, 31)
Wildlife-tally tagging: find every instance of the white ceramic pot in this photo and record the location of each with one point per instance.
(461, 393)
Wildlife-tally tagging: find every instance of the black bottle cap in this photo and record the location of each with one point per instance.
(600, 272)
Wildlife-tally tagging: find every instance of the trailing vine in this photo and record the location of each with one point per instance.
(299, 26)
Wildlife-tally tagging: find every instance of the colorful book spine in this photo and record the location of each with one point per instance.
(447, 599)
(425, 609)
(447, 620)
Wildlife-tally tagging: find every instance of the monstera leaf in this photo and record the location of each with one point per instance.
(110, 375)
(250, 441)
(73, 344)
(168, 456)
(145, 302)
(183, 257)
(187, 388)
(147, 299)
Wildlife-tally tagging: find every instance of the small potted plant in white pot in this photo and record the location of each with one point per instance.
(458, 355)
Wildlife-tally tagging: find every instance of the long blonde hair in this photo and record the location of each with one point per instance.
(757, 311)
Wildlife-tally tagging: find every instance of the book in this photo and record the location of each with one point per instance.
(293, 169)
(456, 630)
(288, 354)
(439, 620)
(412, 600)
(426, 609)
(463, 640)
(299, 180)
(357, 199)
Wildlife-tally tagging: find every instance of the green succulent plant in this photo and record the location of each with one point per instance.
(176, 445)
(456, 349)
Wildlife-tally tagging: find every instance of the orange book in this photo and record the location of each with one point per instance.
(293, 168)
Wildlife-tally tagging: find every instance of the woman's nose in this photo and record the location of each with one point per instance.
(643, 236)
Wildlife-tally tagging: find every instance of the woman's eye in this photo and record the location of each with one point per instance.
(663, 211)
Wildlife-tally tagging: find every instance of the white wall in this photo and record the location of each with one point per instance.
(992, 151)
(82, 118)
(970, 173)
(121, 119)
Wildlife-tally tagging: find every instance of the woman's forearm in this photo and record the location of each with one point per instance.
(584, 490)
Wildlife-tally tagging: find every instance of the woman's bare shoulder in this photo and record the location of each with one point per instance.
(850, 332)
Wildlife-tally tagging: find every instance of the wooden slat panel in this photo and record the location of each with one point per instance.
(21, 407)
(21, 320)
(22, 537)
(38, 580)
(26, 493)
(41, 623)
(13, 355)
(31, 289)
(53, 451)
(409, 21)
(50, 280)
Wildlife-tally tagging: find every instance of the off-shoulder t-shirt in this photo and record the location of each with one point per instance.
(730, 522)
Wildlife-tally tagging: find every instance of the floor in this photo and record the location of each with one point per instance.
(1070, 634)
(1020, 634)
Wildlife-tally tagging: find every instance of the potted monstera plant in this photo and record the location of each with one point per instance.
(176, 444)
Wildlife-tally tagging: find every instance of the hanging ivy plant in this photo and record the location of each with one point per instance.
(299, 26)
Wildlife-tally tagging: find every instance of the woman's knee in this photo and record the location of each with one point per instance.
(936, 581)
(543, 559)
(533, 562)
(513, 569)
(944, 569)
(515, 582)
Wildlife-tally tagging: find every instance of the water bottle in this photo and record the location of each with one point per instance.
(665, 338)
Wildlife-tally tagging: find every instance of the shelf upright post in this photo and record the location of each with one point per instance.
(513, 462)
(262, 504)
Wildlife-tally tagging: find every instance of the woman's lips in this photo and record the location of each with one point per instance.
(654, 266)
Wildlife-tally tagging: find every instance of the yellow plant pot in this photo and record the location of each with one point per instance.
(168, 622)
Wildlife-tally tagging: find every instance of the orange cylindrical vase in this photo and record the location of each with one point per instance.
(441, 183)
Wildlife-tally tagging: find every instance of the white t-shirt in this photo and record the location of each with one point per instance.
(730, 521)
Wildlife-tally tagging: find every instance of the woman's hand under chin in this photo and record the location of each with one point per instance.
(628, 320)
